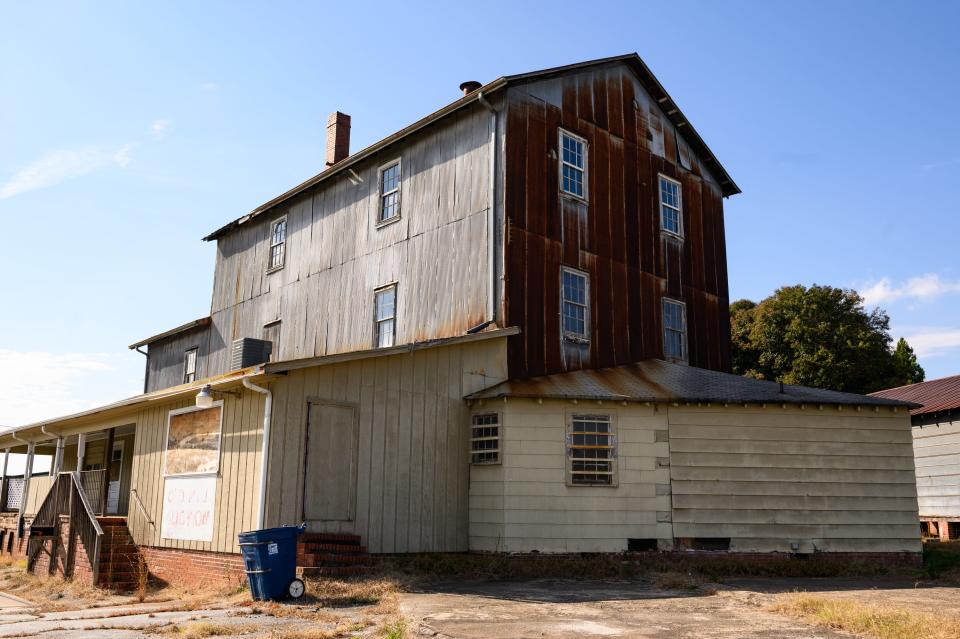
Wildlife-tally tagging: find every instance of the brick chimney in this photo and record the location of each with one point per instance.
(338, 137)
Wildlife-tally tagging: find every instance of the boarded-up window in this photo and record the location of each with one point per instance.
(485, 439)
(190, 366)
(193, 441)
(330, 467)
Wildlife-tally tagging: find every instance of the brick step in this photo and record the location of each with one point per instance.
(318, 547)
(334, 571)
(335, 560)
(336, 538)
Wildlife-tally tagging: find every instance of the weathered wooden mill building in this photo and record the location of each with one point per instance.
(502, 328)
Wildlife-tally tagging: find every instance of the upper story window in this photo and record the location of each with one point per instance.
(190, 366)
(575, 289)
(385, 313)
(389, 192)
(573, 164)
(278, 243)
(671, 206)
(591, 450)
(674, 330)
(485, 439)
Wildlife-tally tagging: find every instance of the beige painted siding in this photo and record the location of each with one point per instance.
(524, 503)
(412, 466)
(937, 457)
(828, 480)
(238, 479)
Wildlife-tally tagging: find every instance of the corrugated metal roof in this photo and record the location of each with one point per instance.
(655, 380)
(935, 396)
(650, 82)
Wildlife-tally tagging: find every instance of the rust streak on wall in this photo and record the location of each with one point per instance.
(615, 236)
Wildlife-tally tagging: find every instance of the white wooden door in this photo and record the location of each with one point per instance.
(330, 468)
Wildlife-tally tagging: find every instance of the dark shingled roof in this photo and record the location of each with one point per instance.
(655, 380)
(936, 396)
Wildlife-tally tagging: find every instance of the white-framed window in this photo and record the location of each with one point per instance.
(190, 365)
(671, 206)
(575, 301)
(485, 438)
(591, 450)
(193, 440)
(278, 244)
(573, 164)
(385, 316)
(674, 330)
(389, 186)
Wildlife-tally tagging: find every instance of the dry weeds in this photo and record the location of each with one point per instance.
(869, 620)
(202, 629)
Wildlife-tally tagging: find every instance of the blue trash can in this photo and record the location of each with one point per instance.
(270, 561)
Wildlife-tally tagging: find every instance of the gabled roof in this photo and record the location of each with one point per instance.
(936, 396)
(633, 60)
(655, 380)
(183, 328)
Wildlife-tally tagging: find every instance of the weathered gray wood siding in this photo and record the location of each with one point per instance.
(936, 450)
(165, 358)
(336, 255)
(829, 480)
(525, 504)
(413, 464)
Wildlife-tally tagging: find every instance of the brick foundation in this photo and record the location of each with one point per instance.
(10, 543)
(194, 567)
(52, 556)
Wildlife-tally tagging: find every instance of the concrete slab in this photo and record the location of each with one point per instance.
(576, 609)
(8, 601)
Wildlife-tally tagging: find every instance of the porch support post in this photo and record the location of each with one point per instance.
(3, 482)
(6, 460)
(81, 450)
(58, 458)
(107, 457)
(27, 473)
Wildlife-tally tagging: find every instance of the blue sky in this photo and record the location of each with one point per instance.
(129, 131)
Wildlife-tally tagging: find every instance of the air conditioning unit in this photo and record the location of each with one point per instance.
(249, 352)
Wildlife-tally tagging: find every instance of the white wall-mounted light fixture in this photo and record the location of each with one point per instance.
(205, 397)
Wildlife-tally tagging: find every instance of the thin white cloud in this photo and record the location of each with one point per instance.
(936, 165)
(37, 385)
(209, 86)
(934, 342)
(160, 128)
(62, 165)
(923, 288)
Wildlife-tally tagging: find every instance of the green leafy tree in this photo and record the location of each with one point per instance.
(906, 368)
(819, 336)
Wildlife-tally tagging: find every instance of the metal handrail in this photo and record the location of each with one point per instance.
(143, 509)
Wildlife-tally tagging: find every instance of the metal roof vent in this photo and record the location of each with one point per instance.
(249, 352)
(469, 86)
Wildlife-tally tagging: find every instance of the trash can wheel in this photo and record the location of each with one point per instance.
(296, 589)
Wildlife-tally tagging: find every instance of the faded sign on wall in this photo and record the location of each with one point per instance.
(193, 441)
(188, 508)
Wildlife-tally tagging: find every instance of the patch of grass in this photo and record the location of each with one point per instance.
(203, 629)
(677, 581)
(396, 629)
(317, 633)
(352, 592)
(941, 560)
(879, 622)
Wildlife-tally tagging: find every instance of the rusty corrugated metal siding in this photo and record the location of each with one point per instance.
(615, 237)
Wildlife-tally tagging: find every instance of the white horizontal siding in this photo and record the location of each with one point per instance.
(937, 452)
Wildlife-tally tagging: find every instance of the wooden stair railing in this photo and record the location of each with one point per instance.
(67, 497)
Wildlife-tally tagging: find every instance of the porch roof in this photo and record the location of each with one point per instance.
(93, 419)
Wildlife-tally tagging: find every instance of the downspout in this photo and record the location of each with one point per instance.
(265, 453)
(491, 213)
(146, 370)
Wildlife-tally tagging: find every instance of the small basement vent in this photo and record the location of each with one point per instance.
(703, 543)
(641, 545)
(249, 352)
